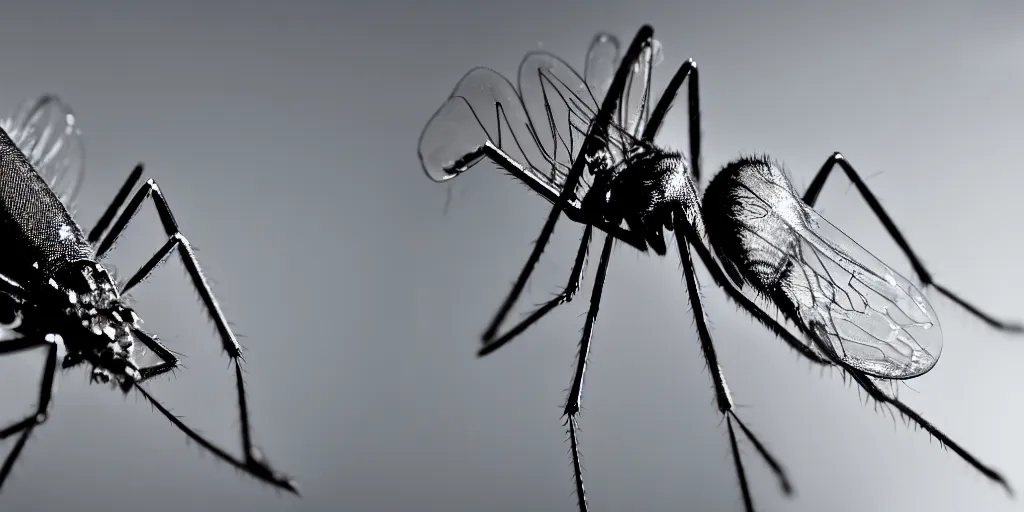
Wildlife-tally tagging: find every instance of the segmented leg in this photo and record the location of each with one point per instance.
(572, 402)
(254, 464)
(722, 395)
(27, 425)
(811, 196)
(565, 296)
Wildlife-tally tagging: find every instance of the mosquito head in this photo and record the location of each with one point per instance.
(93, 300)
(90, 299)
(111, 363)
(112, 354)
(111, 327)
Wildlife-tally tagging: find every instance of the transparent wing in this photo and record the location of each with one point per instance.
(560, 107)
(636, 98)
(484, 107)
(543, 72)
(861, 310)
(45, 130)
(541, 125)
(603, 58)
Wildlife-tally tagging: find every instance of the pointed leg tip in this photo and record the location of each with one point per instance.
(279, 480)
(487, 349)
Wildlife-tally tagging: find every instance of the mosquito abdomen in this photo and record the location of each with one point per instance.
(37, 228)
(749, 209)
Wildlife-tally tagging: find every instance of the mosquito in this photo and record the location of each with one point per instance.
(586, 144)
(59, 297)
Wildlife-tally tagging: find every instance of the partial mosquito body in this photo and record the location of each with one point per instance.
(586, 143)
(63, 299)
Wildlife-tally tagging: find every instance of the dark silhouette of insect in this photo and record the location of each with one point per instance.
(596, 161)
(55, 293)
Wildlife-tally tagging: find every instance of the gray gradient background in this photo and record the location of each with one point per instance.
(285, 138)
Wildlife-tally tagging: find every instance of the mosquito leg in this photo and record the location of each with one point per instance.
(687, 70)
(559, 205)
(577, 468)
(872, 389)
(503, 160)
(572, 402)
(569, 205)
(565, 296)
(562, 203)
(866, 383)
(722, 394)
(122, 195)
(564, 199)
(524, 276)
(811, 196)
(254, 463)
(176, 240)
(169, 360)
(28, 424)
(591, 146)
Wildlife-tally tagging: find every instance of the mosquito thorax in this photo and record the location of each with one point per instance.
(749, 201)
(643, 190)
